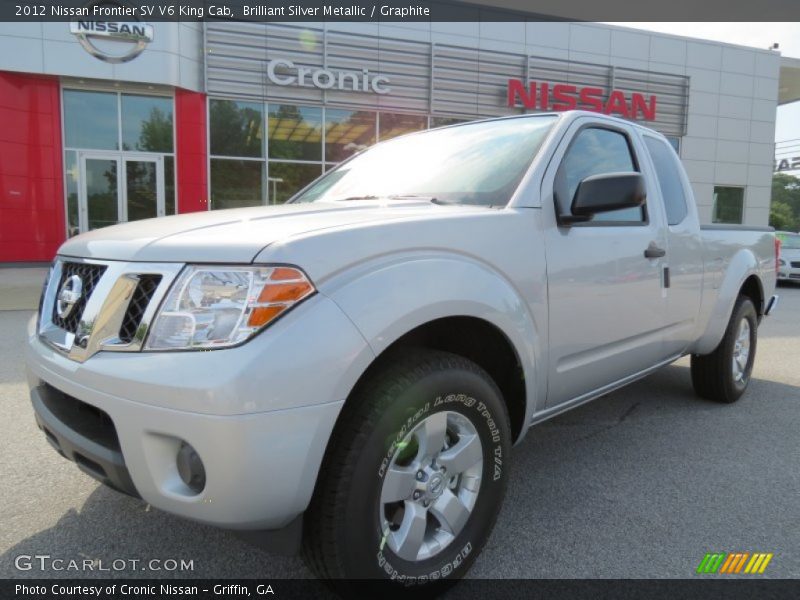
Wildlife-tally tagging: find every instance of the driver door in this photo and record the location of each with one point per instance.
(606, 300)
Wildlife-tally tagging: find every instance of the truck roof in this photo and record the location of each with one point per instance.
(566, 115)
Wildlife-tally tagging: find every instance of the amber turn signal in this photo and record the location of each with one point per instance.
(285, 287)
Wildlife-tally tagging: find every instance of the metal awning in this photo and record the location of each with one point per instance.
(789, 85)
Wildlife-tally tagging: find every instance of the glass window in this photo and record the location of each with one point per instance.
(236, 183)
(477, 163)
(592, 152)
(91, 120)
(347, 132)
(286, 179)
(669, 179)
(728, 204)
(236, 128)
(295, 132)
(71, 165)
(169, 185)
(141, 189)
(444, 121)
(146, 123)
(391, 125)
(102, 192)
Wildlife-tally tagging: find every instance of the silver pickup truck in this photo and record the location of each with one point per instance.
(350, 370)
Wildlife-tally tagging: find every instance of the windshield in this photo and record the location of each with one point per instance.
(478, 163)
(789, 241)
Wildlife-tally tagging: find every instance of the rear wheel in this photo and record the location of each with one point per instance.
(724, 374)
(416, 471)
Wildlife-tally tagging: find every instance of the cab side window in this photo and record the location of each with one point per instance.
(595, 151)
(669, 179)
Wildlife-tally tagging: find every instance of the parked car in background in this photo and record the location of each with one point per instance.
(789, 256)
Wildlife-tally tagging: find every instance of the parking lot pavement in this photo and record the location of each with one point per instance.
(640, 483)
(20, 287)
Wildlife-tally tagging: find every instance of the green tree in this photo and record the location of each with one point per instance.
(781, 217)
(236, 129)
(785, 208)
(156, 135)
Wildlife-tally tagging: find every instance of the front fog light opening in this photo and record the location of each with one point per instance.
(190, 468)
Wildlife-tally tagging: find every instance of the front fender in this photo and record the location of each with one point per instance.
(390, 296)
(718, 308)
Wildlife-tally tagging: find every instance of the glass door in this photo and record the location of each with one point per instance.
(115, 187)
(143, 188)
(99, 197)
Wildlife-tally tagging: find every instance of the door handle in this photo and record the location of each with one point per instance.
(654, 251)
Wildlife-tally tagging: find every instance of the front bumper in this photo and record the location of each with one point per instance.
(260, 469)
(261, 466)
(82, 436)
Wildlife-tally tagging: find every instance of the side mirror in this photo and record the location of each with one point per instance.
(606, 192)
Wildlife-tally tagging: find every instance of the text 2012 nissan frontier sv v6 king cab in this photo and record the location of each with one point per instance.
(351, 369)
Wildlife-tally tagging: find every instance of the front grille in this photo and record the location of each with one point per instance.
(796, 264)
(90, 274)
(85, 419)
(141, 298)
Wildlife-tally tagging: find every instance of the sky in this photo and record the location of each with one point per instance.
(758, 35)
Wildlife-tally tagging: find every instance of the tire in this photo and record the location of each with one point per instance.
(715, 376)
(369, 506)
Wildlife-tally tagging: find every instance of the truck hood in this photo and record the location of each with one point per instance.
(235, 235)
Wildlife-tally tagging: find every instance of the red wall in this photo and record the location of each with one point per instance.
(31, 172)
(190, 148)
(31, 177)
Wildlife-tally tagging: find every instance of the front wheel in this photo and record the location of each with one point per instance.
(724, 374)
(417, 469)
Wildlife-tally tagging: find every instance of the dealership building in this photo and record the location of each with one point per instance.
(103, 123)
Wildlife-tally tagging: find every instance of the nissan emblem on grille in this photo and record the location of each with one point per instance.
(69, 294)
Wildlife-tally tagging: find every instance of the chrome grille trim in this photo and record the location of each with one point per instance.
(99, 325)
(131, 327)
(90, 274)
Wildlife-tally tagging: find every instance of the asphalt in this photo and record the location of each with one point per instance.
(639, 484)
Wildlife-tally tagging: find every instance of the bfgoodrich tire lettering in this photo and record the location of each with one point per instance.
(352, 519)
(724, 374)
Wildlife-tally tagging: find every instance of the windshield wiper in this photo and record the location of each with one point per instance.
(427, 197)
(432, 199)
(392, 197)
(366, 197)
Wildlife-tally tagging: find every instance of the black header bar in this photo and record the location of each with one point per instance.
(400, 10)
(706, 588)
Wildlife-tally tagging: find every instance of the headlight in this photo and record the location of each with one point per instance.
(781, 262)
(219, 306)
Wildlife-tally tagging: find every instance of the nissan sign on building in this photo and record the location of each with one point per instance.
(127, 40)
(143, 119)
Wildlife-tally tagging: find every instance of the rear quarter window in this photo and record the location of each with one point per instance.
(669, 178)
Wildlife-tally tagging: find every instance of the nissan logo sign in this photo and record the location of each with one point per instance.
(112, 41)
(281, 71)
(68, 296)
